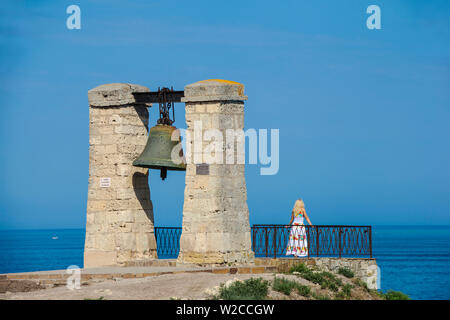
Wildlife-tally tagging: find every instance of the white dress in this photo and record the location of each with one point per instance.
(297, 245)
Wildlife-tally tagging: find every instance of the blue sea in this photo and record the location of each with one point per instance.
(412, 259)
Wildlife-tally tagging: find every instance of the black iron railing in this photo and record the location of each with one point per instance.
(271, 240)
(167, 241)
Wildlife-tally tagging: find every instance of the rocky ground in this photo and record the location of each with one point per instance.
(202, 285)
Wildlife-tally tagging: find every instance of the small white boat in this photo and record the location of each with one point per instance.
(55, 238)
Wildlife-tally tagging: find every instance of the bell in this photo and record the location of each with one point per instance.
(158, 151)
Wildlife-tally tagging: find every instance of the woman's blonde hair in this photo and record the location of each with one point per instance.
(298, 206)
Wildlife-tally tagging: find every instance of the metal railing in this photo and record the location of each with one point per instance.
(271, 240)
(167, 241)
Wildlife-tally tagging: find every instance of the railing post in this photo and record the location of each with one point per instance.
(266, 238)
(275, 242)
(317, 240)
(307, 238)
(370, 241)
(340, 242)
(253, 238)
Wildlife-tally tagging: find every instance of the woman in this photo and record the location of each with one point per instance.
(298, 245)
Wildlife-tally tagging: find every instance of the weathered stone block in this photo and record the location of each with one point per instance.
(119, 226)
(214, 90)
(215, 214)
(114, 94)
(95, 258)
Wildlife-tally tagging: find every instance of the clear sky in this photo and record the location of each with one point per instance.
(363, 114)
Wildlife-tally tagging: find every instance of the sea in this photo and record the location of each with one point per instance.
(412, 259)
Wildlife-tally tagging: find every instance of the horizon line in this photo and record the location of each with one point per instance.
(374, 225)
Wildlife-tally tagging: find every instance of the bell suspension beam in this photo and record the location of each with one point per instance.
(157, 152)
(153, 97)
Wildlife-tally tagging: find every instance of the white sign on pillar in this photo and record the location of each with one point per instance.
(105, 182)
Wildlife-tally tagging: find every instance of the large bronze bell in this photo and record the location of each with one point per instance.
(163, 144)
(157, 153)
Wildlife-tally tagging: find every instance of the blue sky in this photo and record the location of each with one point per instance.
(363, 114)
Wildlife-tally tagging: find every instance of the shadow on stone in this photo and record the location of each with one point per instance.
(142, 191)
(142, 112)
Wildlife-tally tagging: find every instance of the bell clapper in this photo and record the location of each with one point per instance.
(163, 173)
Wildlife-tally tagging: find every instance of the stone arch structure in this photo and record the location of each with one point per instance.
(120, 224)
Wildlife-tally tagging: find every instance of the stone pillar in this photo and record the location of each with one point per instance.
(119, 226)
(216, 227)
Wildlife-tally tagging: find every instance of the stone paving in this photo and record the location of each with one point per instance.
(363, 268)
